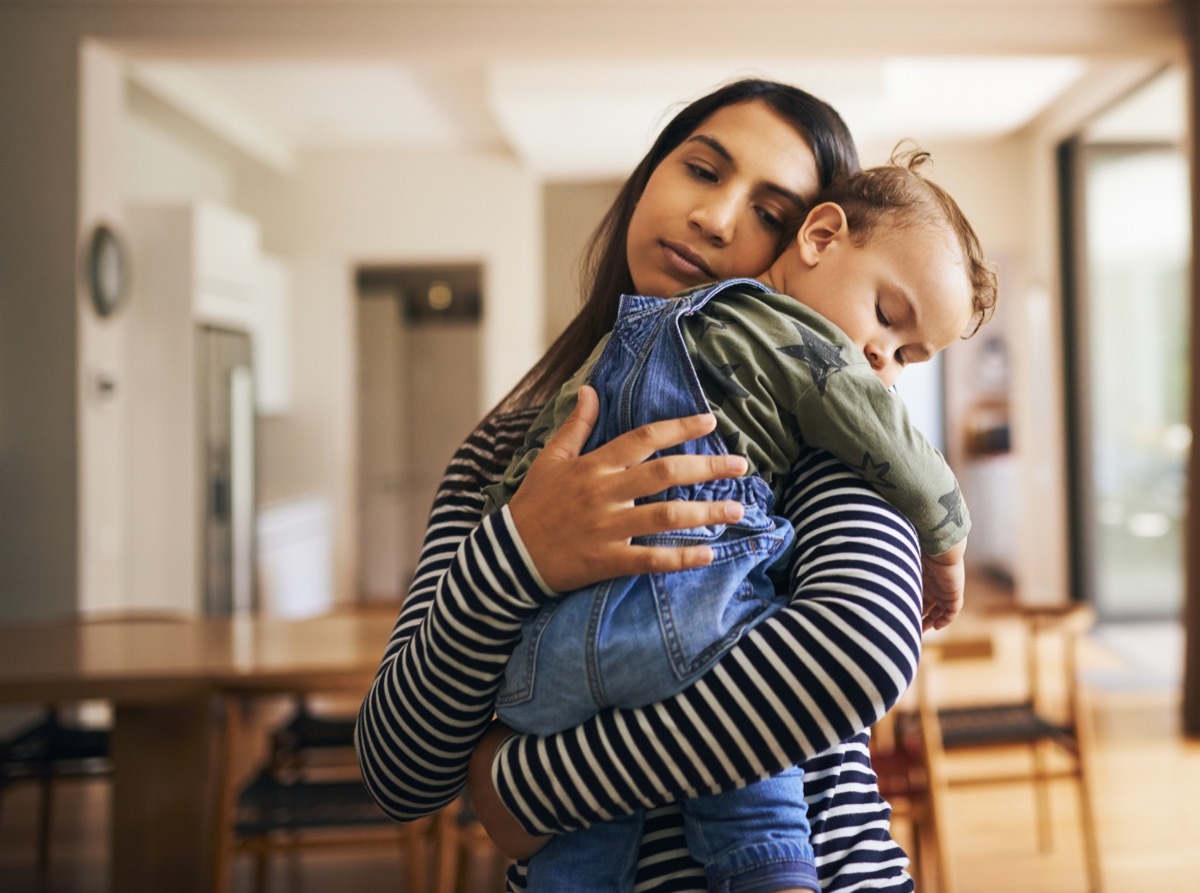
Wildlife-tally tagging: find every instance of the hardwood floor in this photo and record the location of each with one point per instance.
(1147, 795)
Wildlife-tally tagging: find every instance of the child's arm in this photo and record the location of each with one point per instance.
(787, 378)
(852, 415)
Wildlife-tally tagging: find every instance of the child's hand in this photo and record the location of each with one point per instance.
(943, 579)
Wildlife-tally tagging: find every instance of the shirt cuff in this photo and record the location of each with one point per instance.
(519, 545)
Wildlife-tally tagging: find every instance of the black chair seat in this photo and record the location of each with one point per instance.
(269, 804)
(52, 748)
(308, 731)
(995, 724)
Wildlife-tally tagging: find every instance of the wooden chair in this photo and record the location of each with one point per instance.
(286, 804)
(461, 844)
(1050, 715)
(63, 744)
(50, 749)
(909, 761)
(312, 738)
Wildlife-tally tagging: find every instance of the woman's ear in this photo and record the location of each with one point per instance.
(824, 225)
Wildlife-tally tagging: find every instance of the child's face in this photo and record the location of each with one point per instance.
(718, 205)
(901, 297)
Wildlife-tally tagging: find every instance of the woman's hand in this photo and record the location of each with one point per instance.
(576, 514)
(504, 830)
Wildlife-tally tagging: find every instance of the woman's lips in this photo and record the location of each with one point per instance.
(687, 262)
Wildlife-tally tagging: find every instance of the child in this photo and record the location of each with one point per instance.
(884, 271)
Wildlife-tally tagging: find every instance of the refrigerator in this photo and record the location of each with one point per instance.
(225, 402)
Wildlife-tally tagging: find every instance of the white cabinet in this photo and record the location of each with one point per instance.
(225, 255)
(209, 257)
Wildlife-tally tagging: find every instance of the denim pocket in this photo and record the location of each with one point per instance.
(702, 612)
(516, 687)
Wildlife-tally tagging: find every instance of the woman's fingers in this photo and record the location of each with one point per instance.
(625, 561)
(659, 517)
(636, 446)
(577, 514)
(657, 475)
(568, 441)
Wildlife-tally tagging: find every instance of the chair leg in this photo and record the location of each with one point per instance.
(262, 866)
(446, 845)
(45, 826)
(916, 853)
(413, 844)
(1041, 788)
(1087, 815)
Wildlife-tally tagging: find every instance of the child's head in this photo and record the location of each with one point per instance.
(888, 257)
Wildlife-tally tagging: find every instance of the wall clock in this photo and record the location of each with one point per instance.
(107, 269)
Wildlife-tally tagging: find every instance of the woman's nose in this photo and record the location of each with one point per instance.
(715, 219)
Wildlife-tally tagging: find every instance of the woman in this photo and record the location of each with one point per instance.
(713, 198)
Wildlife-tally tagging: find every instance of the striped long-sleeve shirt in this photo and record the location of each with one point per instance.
(800, 688)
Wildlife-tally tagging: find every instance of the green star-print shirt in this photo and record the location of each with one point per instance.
(779, 378)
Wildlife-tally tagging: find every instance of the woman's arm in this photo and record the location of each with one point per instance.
(432, 697)
(477, 579)
(816, 673)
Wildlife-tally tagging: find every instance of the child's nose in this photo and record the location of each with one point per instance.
(882, 365)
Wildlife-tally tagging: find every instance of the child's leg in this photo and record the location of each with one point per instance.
(756, 839)
(599, 859)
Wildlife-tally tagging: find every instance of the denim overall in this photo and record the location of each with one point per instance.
(635, 640)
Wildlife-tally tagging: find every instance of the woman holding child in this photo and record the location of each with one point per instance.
(728, 179)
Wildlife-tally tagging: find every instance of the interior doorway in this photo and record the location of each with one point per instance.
(419, 395)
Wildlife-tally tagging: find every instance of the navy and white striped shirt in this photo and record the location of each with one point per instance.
(801, 687)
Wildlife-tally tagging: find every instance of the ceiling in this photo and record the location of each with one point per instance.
(592, 115)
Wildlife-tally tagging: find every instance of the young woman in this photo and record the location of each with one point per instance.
(713, 199)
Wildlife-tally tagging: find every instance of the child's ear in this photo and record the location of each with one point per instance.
(824, 225)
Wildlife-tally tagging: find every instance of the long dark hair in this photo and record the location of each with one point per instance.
(606, 266)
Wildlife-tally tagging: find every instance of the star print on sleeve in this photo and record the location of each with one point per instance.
(709, 323)
(718, 382)
(875, 473)
(823, 357)
(952, 502)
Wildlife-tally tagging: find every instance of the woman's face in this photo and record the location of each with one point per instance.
(718, 205)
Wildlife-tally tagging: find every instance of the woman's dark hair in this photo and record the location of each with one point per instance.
(606, 273)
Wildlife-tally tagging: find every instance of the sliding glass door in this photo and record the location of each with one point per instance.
(1126, 340)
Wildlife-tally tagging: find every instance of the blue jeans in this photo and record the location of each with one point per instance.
(635, 640)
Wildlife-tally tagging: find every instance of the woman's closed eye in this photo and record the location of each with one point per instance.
(701, 172)
(772, 219)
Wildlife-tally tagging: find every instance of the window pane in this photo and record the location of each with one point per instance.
(1136, 324)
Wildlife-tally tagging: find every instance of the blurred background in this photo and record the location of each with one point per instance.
(340, 231)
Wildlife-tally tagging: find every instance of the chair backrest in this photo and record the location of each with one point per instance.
(1051, 642)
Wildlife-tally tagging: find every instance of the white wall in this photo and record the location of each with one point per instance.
(380, 208)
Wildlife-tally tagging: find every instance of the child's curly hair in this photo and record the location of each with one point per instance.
(898, 194)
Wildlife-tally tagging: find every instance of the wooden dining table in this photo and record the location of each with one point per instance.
(170, 682)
